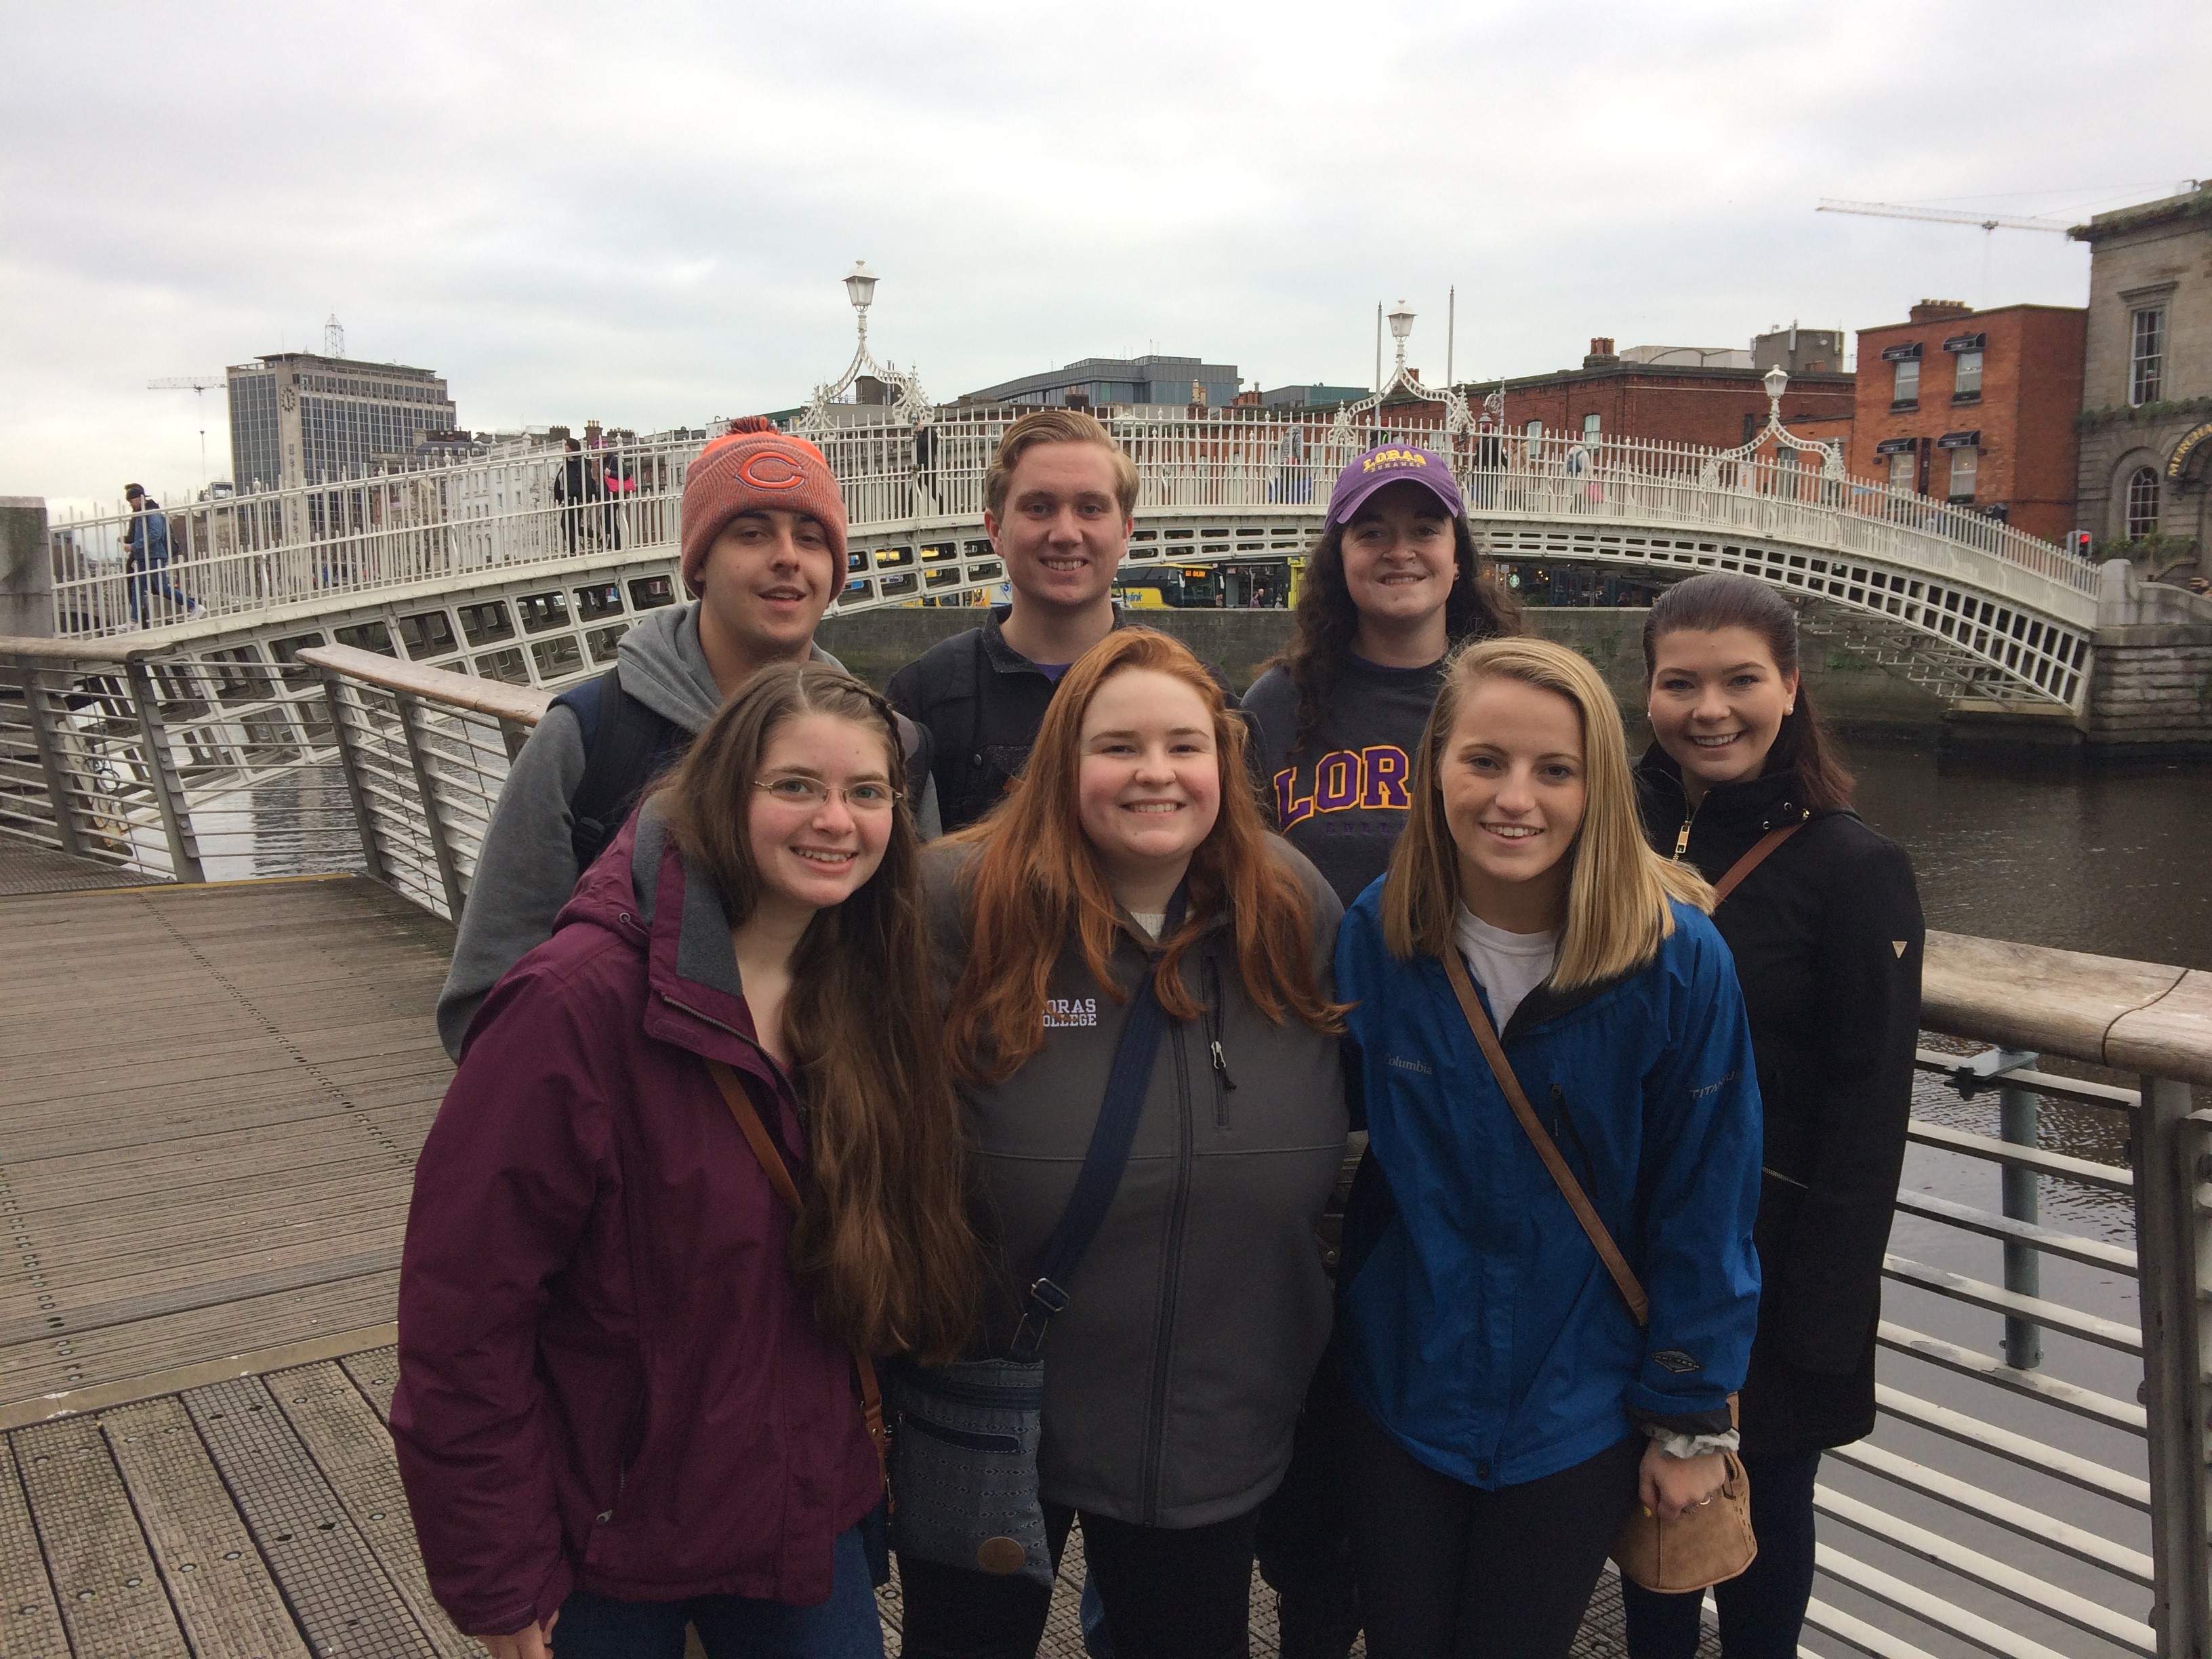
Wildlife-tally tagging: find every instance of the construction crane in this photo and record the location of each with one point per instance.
(1989, 223)
(200, 386)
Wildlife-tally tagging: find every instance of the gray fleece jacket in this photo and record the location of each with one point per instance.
(1173, 1380)
(527, 866)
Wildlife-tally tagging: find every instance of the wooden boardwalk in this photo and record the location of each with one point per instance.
(211, 1098)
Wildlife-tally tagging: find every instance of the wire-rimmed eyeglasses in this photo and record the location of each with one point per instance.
(794, 789)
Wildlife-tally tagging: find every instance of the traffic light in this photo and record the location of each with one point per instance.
(2079, 542)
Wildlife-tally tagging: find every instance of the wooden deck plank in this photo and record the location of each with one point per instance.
(375, 1372)
(32, 1369)
(350, 1444)
(111, 1594)
(30, 1618)
(217, 1581)
(338, 1593)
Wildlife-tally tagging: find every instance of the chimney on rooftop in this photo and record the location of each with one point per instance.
(1935, 311)
(1602, 354)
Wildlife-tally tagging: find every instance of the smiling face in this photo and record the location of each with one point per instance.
(1400, 557)
(1513, 787)
(1063, 531)
(764, 584)
(1148, 787)
(810, 853)
(1716, 703)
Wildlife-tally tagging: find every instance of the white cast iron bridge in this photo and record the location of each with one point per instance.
(474, 565)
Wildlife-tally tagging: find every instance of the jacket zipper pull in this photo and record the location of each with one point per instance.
(1683, 841)
(1221, 1067)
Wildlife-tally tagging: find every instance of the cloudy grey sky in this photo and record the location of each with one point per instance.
(641, 214)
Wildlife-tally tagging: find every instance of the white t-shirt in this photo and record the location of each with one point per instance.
(1507, 965)
(1151, 921)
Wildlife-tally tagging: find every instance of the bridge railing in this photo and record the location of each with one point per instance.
(314, 545)
(2037, 1481)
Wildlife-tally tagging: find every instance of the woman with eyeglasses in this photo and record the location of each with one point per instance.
(695, 1174)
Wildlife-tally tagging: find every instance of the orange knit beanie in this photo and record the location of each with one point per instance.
(753, 468)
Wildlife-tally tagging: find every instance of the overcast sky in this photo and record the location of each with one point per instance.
(641, 214)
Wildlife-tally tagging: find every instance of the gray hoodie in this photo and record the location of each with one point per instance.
(527, 866)
(1173, 1380)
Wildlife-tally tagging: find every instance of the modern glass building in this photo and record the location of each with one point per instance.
(297, 417)
(1148, 379)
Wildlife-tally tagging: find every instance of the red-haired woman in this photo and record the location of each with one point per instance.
(1172, 1381)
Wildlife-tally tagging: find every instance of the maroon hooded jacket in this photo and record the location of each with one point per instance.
(609, 1379)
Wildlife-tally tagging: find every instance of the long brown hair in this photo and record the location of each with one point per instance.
(1723, 599)
(884, 1243)
(1035, 880)
(1326, 620)
(1618, 889)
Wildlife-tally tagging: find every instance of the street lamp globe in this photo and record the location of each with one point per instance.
(1401, 320)
(861, 285)
(1778, 382)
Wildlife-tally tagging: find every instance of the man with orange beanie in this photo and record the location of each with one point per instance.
(763, 554)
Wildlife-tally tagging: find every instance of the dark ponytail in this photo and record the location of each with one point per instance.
(1720, 599)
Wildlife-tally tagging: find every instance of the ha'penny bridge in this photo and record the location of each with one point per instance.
(233, 844)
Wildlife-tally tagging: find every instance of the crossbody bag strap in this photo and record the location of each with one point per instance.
(1128, 1082)
(1752, 860)
(778, 1177)
(1546, 1149)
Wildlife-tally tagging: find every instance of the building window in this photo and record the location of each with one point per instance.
(1590, 428)
(1906, 387)
(2143, 501)
(1535, 429)
(2146, 356)
(1963, 463)
(1901, 466)
(1969, 381)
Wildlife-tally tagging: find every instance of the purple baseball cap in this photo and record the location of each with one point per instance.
(1391, 464)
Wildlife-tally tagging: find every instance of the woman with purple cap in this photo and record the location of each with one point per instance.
(1390, 590)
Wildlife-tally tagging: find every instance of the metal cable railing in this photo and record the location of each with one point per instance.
(2036, 1483)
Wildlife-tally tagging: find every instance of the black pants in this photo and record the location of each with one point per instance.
(1305, 1537)
(1762, 1610)
(1451, 1572)
(1180, 1594)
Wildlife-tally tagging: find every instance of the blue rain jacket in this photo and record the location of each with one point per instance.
(1477, 1325)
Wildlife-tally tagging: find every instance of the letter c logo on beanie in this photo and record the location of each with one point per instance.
(770, 470)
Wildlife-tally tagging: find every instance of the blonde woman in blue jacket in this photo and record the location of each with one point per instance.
(1511, 1408)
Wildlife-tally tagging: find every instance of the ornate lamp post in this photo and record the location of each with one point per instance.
(911, 405)
(1776, 382)
(1458, 417)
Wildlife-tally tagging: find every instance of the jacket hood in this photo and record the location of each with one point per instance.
(646, 892)
(665, 667)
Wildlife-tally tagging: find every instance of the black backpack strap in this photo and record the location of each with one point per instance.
(918, 750)
(1111, 1136)
(626, 745)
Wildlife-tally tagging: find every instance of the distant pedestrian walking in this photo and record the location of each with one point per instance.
(146, 544)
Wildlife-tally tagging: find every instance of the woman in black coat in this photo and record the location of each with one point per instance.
(1826, 932)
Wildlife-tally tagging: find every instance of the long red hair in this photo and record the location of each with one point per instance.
(1036, 880)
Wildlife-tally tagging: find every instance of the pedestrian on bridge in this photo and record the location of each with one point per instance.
(1526, 946)
(1391, 587)
(1741, 784)
(1127, 887)
(763, 555)
(1057, 502)
(146, 561)
(695, 1175)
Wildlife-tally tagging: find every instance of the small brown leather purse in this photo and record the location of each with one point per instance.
(1710, 1541)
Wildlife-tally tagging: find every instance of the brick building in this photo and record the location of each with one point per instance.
(1713, 398)
(1975, 407)
(2146, 420)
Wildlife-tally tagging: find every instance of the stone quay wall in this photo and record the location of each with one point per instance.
(1848, 688)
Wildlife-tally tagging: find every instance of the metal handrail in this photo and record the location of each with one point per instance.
(308, 544)
(420, 756)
